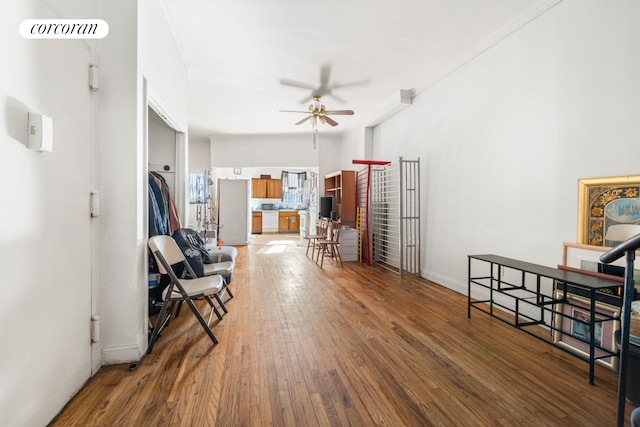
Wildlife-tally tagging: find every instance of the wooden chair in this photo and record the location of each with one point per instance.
(330, 246)
(322, 225)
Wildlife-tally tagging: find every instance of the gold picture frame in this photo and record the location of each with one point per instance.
(599, 202)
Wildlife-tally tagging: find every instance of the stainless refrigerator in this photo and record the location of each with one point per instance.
(233, 211)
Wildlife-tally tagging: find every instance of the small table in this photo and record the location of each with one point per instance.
(542, 300)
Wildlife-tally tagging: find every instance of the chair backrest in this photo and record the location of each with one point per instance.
(322, 226)
(169, 250)
(334, 234)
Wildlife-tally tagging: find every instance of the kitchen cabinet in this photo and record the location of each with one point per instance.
(258, 188)
(288, 222)
(274, 189)
(266, 188)
(256, 222)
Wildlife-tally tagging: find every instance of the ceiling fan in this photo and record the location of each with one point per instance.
(325, 88)
(318, 113)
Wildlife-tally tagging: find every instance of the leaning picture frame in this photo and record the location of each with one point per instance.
(606, 207)
(571, 328)
(586, 259)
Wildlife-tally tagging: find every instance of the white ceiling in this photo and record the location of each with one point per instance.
(238, 50)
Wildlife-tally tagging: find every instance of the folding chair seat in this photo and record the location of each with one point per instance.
(229, 251)
(224, 260)
(224, 269)
(180, 290)
(222, 253)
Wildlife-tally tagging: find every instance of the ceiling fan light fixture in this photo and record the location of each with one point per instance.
(316, 104)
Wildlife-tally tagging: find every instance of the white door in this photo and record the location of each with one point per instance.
(233, 211)
(46, 225)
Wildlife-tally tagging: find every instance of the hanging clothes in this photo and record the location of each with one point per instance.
(163, 220)
(160, 207)
(154, 214)
(173, 218)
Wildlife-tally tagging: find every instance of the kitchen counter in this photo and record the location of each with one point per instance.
(275, 210)
(275, 220)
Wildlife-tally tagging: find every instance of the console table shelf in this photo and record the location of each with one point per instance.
(531, 295)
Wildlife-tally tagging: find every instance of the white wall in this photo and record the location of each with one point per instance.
(258, 150)
(285, 151)
(161, 144)
(353, 148)
(199, 155)
(162, 64)
(504, 139)
(98, 145)
(121, 161)
(45, 243)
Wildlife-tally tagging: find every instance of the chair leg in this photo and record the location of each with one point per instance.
(228, 291)
(323, 249)
(338, 256)
(214, 310)
(160, 322)
(179, 308)
(222, 306)
(193, 308)
(308, 246)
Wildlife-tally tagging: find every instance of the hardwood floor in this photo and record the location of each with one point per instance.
(352, 345)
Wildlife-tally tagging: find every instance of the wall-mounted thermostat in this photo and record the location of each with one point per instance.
(40, 132)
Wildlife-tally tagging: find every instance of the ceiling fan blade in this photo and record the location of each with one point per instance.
(340, 112)
(339, 85)
(325, 74)
(294, 83)
(306, 99)
(293, 111)
(304, 120)
(336, 97)
(330, 121)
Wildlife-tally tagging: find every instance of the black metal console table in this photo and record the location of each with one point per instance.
(542, 302)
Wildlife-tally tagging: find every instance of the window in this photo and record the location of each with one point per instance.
(293, 186)
(198, 188)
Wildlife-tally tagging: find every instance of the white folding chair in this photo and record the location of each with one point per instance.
(167, 253)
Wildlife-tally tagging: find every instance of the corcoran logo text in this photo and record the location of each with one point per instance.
(64, 28)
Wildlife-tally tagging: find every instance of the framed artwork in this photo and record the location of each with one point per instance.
(571, 329)
(586, 259)
(608, 210)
